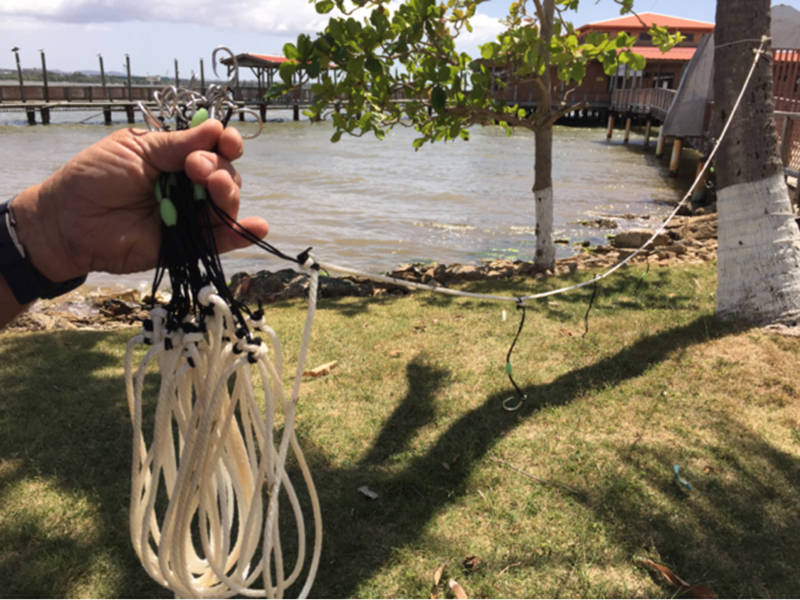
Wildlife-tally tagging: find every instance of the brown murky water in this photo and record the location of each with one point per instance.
(376, 204)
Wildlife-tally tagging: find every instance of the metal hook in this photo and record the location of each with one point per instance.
(153, 122)
(232, 70)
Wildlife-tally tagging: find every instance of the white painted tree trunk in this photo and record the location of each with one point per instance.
(759, 253)
(545, 246)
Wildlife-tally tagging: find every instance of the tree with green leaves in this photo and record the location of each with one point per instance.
(382, 64)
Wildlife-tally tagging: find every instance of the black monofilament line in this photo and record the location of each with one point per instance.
(641, 279)
(588, 310)
(509, 370)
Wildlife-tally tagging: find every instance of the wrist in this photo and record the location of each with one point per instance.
(39, 233)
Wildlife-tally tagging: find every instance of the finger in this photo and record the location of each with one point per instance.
(230, 144)
(224, 191)
(228, 239)
(168, 150)
(201, 165)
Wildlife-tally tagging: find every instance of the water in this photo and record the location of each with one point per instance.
(377, 204)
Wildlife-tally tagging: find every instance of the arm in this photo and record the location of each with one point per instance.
(98, 212)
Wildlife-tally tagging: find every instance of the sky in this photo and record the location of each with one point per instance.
(156, 32)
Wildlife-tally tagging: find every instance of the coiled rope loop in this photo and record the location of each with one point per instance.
(206, 489)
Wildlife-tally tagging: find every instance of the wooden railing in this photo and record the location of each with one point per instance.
(89, 93)
(649, 101)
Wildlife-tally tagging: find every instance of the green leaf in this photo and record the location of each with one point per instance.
(373, 65)
(313, 68)
(287, 71)
(489, 50)
(324, 6)
(438, 98)
(290, 51)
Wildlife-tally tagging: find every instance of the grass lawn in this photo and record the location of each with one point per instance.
(561, 498)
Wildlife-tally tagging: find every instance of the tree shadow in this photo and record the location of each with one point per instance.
(40, 436)
(735, 531)
(79, 450)
(361, 538)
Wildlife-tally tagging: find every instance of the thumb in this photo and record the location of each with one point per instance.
(167, 150)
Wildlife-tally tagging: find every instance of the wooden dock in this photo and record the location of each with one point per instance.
(41, 99)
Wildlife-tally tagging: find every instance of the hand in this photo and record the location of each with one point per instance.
(98, 212)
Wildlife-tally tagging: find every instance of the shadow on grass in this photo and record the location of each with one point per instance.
(362, 536)
(78, 449)
(745, 530)
(736, 531)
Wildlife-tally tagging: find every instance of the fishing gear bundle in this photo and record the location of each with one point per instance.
(209, 473)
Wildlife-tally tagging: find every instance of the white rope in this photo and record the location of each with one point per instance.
(206, 491)
(562, 290)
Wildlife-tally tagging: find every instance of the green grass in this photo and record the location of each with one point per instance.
(413, 410)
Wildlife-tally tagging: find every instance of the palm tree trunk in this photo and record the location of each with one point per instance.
(758, 271)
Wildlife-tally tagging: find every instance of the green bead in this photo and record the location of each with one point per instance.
(199, 192)
(200, 115)
(508, 368)
(169, 214)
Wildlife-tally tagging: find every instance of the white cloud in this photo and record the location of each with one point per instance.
(284, 18)
(266, 16)
(484, 29)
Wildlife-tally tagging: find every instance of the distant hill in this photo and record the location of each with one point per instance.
(785, 27)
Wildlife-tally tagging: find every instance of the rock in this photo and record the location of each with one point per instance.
(635, 238)
(264, 286)
(114, 307)
(333, 287)
(600, 223)
(296, 288)
(677, 248)
(463, 273)
(407, 273)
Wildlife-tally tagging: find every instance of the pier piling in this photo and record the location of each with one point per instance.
(610, 131)
(627, 137)
(647, 128)
(660, 142)
(675, 158)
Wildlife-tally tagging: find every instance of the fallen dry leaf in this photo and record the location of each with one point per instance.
(321, 370)
(471, 563)
(695, 591)
(457, 590)
(437, 577)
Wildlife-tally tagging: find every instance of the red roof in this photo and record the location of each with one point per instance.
(632, 23)
(269, 57)
(681, 53)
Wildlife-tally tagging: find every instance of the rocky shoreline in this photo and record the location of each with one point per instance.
(691, 239)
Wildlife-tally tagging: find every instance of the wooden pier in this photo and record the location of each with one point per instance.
(41, 99)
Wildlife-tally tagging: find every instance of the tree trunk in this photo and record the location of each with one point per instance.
(758, 271)
(543, 165)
